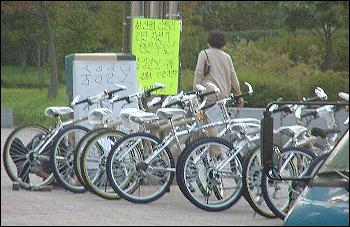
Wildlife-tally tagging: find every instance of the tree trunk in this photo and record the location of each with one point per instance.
(328, 46)
(40, 69)
(23, 57)
(52, 52)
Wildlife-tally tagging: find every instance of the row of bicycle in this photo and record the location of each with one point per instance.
(132, 156)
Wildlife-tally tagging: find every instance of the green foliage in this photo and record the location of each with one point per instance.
(186, 80)
(299, 81)
(341, 50)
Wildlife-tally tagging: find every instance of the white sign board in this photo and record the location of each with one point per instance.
(94, 73)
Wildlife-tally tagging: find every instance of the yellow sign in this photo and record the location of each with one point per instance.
(155, 43)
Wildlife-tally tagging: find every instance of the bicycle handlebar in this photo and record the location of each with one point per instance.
(315, 98)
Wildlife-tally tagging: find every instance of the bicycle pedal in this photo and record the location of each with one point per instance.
(16, 186)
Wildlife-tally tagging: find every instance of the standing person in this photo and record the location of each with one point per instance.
(221, 71)
(214, 65)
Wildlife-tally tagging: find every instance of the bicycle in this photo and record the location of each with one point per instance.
(158, 160)
(31, 154)
(96, 145)
(293, 162)
(158, 163)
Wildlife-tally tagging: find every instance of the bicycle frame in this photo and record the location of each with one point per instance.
(53, 133)
(267, 137)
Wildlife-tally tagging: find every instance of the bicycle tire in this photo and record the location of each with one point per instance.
(66, 163)
(282, 212)
(8, 160)
(127, 193)
(257, 204)
(78, 151)
(182, 175)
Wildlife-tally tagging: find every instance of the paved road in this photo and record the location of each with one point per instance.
(60, 207)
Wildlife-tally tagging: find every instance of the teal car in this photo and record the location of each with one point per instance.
(325, 201)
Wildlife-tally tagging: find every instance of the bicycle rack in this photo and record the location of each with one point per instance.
(266, 141)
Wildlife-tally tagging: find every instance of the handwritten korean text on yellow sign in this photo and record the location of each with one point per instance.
(155, 43)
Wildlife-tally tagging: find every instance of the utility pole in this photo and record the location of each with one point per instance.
(126, 26)
(155, 9)
(174, 10)
(137, 8)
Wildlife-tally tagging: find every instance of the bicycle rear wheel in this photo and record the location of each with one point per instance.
(134, 179)
(22, 162)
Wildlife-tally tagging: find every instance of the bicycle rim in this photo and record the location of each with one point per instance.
(63, 156)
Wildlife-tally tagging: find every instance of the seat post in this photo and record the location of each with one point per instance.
(59, 120)
(174, 131)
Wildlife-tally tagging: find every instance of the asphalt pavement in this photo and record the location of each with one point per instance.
(61, 207)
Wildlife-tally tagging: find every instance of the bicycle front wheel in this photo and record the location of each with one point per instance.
(62, 157)
(138, 169)
(22, 160)
(252, 173)
(79, 150)
(280, 195)
(93, 163)
(210, 183)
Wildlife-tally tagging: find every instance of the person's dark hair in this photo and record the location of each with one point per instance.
(216, 38)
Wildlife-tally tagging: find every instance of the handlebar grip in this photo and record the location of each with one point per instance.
(191, 93)
(174, 103)
(87, 100)
(241, 95)
(206, 94)
(110, 93)
(125, 98)
(150, 90)
(312, 99)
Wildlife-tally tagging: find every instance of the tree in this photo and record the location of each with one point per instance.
(44, 8)
(322, 18)
(40, 10)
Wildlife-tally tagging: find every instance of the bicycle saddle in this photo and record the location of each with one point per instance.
(55, 111)
(170, 113)
(323, 132)
(245, 120)
(291, 131)
(139, 116)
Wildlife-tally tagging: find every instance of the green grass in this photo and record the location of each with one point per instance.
(13, 76)
(29, 104)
